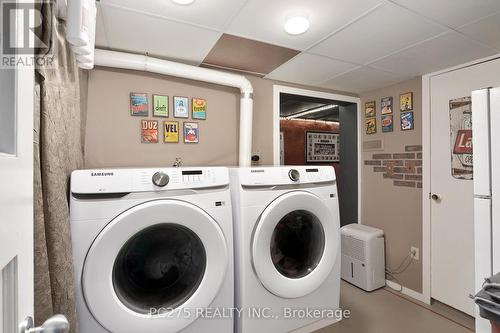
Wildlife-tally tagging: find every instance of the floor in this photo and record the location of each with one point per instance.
(384, 311)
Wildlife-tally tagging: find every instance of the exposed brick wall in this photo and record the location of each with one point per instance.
(404, 169)
(294, 132)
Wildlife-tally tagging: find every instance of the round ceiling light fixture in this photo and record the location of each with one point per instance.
(183, 2)
(296, 25)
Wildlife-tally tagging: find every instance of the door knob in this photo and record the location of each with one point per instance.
(55, 324)
(435, 197)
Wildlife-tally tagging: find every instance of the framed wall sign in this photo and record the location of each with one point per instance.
(160, 106)
(407, 121)
(199, 107)
(387, 123)
(149, 131)
(170, 131)
(461, 138)
(406, 102)
(181, 107)
(139, 104)
(370, 109)
(386, 105)
(191, 133)
(371, 126)
(322, 147)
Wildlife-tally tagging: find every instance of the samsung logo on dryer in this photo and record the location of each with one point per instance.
(101, 174)
(253, 170)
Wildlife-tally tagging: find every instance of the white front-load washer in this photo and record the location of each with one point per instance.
(287, 257)
(153, 250)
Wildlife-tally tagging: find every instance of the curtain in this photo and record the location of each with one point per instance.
(58, 150)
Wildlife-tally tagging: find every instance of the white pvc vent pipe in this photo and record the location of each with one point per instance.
(148, 64)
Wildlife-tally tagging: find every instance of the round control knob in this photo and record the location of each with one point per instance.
(160, 179)
(294, 175)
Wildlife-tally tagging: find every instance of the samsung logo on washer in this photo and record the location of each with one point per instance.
(253, 170)
(101, 174)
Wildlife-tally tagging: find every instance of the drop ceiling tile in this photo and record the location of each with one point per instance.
(448, 50)
(387, 29)
(100, 33)
(264, 19)
(158, 37)
(247, 55)
(453, 13)
(486, 30)
(309, 69)
(214, 13)
(363, 79)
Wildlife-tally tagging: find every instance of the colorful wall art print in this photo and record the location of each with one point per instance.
(371, 125)
(387, 123)
(191, 133)
(181, 107)
(386, 105)
(406, 102)
(199, 106)
(370, 109)
(139, 104)
(461, 138)
(170, 131)
(149, 131)
(160, 106)
(407, 121)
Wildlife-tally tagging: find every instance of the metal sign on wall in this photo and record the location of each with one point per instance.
(461, 138)
(322, 147)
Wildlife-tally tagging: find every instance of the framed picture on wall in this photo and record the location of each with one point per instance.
(181, 107)
(191, 133)
(387, 123)
(138, 104)
(322, 147)
(170, 131)
(199, 106)
(406, 102)
(370, 109)
(386, 105)
(371, 126)
(149, 131)
(160, 106)
(407, 121)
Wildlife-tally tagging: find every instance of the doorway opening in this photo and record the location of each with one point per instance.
(315, 128)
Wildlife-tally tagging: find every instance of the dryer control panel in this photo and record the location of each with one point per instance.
(285, 175)
(146, 180)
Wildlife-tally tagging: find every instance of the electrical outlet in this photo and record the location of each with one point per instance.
(415, 253)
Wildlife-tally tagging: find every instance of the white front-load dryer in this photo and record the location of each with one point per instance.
(153, 250)
(287, 256)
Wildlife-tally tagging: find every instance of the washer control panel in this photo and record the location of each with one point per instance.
(143, 180)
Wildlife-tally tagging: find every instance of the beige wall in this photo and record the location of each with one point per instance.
(395, 209)
(112, 135)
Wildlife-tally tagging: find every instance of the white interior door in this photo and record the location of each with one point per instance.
(16, 194)
(452, 209)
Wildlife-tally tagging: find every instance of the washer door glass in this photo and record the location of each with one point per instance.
(159, 267)
(296, 243)
(153, 266)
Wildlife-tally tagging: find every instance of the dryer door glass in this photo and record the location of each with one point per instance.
(159, 267)
(297, 244)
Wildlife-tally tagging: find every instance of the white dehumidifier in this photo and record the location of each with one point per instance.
(363, 256)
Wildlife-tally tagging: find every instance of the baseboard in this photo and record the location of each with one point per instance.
(316, 325)
(408, 292)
